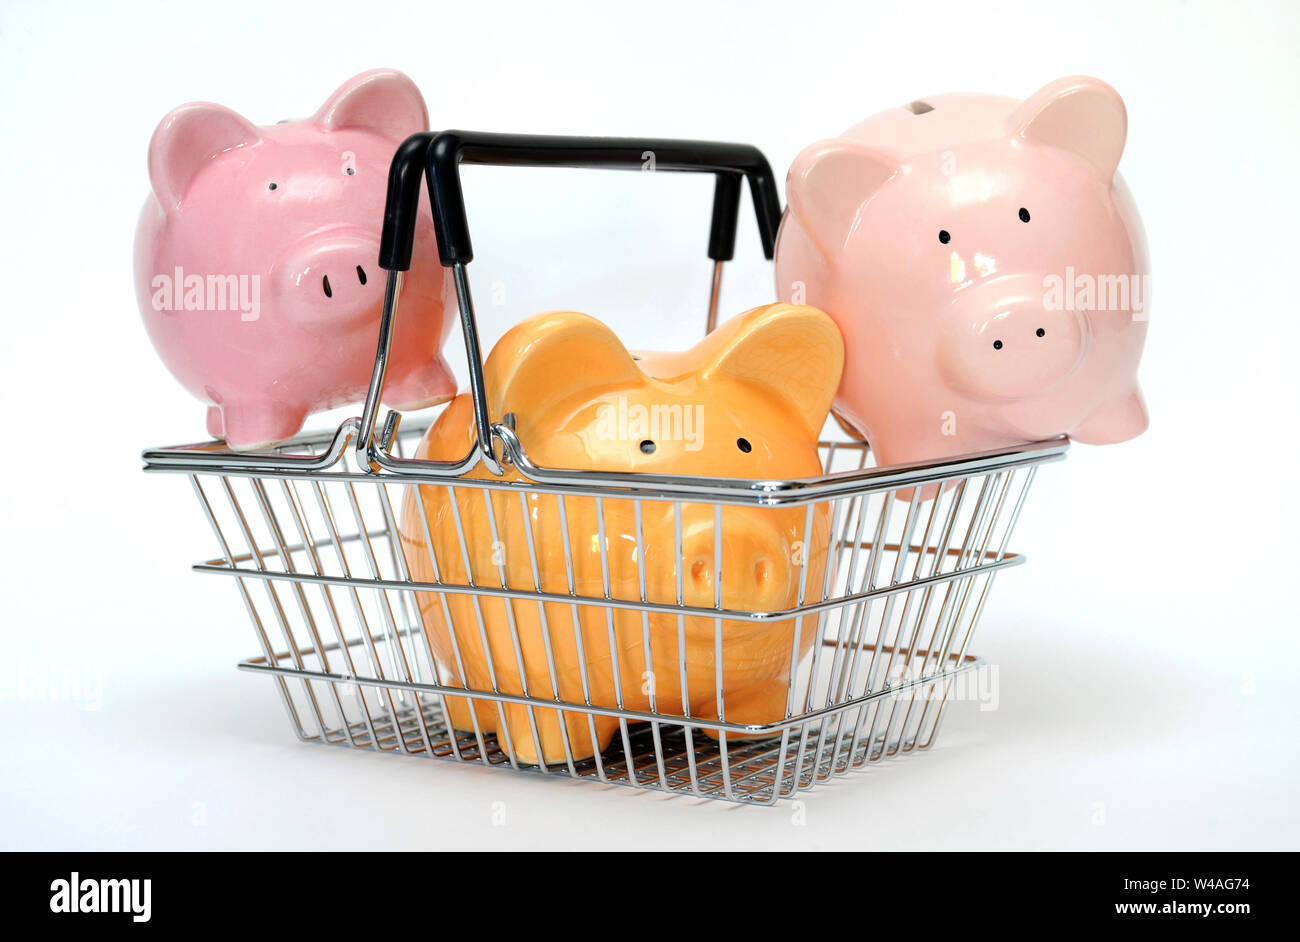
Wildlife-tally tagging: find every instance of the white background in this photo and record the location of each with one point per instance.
(1146, 654)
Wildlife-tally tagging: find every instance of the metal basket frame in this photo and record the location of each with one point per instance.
(903, 590)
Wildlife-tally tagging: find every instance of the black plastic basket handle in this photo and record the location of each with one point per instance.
(439, 156)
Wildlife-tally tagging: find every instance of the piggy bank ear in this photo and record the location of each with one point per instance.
(186, 140)
(791, 351)
(382, 100)
(827, 185)
(1082, 115)
(554, 356)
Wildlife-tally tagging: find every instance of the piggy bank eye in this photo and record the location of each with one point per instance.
(1024, 214)
(272, 186)
(944, 237)
(744, 445)
(352, 170)
(648, 447)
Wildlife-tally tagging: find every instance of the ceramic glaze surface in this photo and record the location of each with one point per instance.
(748, 401)
(986, 265)
(256, 261)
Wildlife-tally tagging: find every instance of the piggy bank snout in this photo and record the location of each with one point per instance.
(1003, 341)
(331, 278)
(756, 564)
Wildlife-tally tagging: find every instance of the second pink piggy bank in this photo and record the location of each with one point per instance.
(987, 268)
(256, 261)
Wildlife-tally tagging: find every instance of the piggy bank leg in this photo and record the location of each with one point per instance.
(427, 384)
(215, 427)
(577, 725)
(1116, 421)
(586, 734)
(848, 427)
(260, 426)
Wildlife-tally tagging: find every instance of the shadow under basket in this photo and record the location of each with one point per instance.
(879, 630)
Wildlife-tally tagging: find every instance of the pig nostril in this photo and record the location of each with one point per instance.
(700, 572)
(361, 274)
(761, 573)
(997, 345)
(325, 283)
(1040, 332)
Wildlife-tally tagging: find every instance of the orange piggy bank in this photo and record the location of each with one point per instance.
(748, 401)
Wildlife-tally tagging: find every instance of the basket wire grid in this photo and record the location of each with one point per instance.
(327, 584)
(879, 627)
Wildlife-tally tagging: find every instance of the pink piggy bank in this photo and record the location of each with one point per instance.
(256, 262)
(986, 266)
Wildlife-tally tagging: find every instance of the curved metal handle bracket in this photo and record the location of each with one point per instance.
(442, 155)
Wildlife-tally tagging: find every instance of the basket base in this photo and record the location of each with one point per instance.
(666, 757)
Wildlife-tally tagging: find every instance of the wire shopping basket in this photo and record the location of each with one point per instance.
(366, 625)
